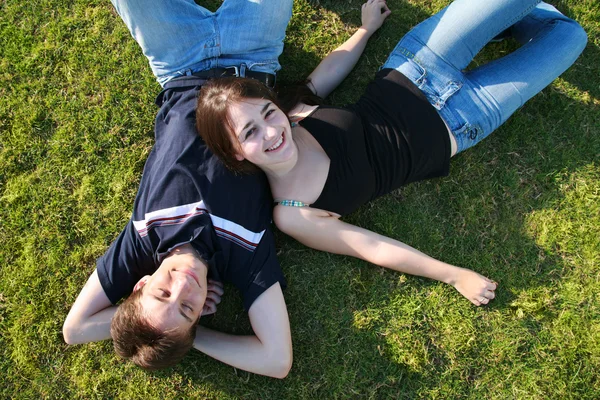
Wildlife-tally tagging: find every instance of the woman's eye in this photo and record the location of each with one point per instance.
(269, 113)
(249, 133)
(188, 307)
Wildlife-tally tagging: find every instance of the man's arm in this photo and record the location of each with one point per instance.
(268, 352)
(337, 65)
(90, 317)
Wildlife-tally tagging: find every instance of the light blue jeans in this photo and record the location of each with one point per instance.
(180, 37)
(434, 54)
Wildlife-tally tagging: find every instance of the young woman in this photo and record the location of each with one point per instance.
(421, 109)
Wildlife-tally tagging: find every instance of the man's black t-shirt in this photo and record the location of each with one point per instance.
(187, 195)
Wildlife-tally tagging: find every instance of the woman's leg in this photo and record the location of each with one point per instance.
(474, 104)
(458, 32)
(551, 43)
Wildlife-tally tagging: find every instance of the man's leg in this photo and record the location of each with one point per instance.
(175, 35)
(252, 33)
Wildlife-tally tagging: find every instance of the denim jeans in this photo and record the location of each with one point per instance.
(473, 103)
(180, 37)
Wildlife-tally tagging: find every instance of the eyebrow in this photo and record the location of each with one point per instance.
(264, 109)
(180, 310)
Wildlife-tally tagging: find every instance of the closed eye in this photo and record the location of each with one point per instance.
(268, 113)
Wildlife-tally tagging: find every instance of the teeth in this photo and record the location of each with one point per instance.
(276, 145)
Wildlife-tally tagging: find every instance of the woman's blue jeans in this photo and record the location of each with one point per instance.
(180, 37)
(473, 103)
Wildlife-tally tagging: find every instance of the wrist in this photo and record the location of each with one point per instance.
(366, 31)
(452, 275)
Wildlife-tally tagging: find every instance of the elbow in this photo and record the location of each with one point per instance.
(282, 366)
(67, 332)
(70, 331)
(279, 361)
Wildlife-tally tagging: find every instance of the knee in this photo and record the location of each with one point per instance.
(575, 35)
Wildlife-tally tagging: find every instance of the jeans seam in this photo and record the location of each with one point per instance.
(520, 17)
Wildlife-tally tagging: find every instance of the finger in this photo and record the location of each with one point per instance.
(216, 289)
(213, 297)
(209, 309)
(215, 282)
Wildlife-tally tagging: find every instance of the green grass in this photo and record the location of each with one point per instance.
(76, 125)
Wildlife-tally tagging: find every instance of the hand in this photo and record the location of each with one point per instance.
(373, 13)
(476, 288)
(213, 297)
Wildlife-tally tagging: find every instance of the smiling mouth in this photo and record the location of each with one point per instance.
(277, 144)
(193, 275)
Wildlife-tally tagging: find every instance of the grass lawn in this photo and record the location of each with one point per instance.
(523, 207)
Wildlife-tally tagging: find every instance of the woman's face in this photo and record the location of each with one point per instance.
(263, 132)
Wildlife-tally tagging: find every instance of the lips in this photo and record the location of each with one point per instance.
(278, 143)
(192, 274)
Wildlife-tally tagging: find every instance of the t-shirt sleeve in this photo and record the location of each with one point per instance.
(260, 271)
(123, 264)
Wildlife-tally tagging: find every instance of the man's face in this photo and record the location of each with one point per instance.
(173, 297)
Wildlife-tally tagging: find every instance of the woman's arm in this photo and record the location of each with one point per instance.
(334, 68)
(269, 352)
(320, 230)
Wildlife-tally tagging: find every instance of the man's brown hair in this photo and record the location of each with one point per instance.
(136, 339)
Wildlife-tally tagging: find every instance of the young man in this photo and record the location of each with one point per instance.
(194, 224)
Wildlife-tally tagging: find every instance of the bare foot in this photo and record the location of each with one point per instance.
(475, 287)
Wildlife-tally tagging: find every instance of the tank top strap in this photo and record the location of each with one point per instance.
(292, 203)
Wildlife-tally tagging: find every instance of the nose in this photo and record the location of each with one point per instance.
(179, 285)
(270, 132)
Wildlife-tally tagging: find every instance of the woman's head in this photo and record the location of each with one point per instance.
(241, 122)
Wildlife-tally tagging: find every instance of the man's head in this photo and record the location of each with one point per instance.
(155, 327)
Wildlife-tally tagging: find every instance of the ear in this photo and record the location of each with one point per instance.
(239, 157)
(140, 284)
